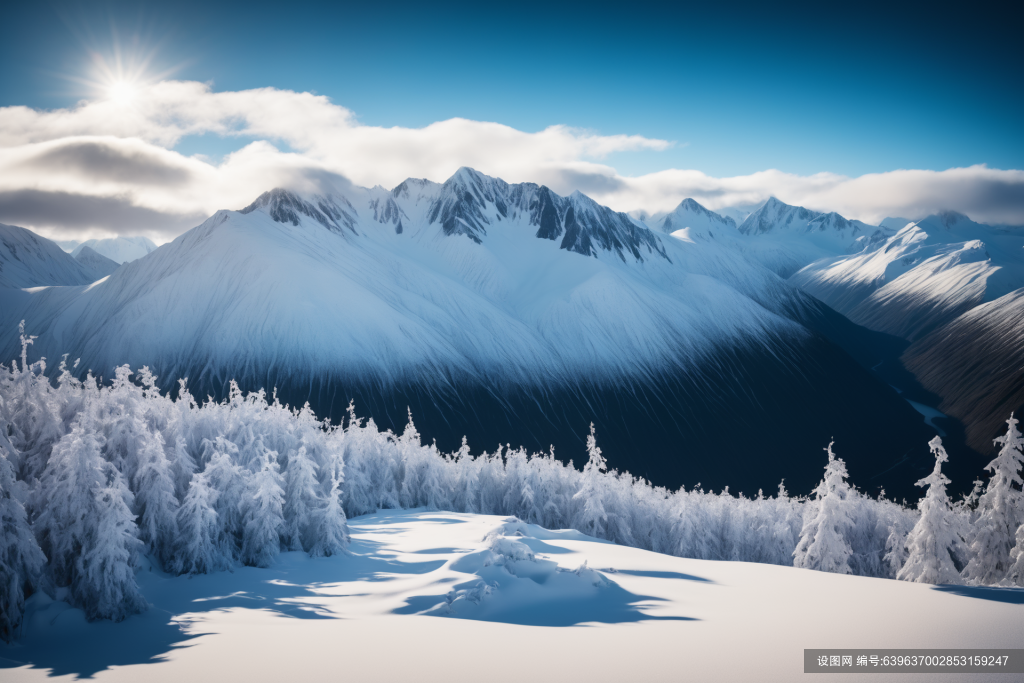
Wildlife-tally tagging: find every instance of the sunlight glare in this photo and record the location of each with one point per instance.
(121, 92)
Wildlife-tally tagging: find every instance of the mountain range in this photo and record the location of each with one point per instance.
(510, 314)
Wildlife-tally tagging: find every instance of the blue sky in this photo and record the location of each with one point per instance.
(862, 89)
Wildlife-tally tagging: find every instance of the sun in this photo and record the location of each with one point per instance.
(122, 92)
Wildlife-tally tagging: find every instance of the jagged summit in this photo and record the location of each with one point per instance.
(469, 204)
(407, 187)
(691, 214)
(775, 215)
(284, 206)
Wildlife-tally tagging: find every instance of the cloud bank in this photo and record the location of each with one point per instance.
(107, 166)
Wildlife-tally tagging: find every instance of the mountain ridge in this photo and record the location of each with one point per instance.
(518, 335)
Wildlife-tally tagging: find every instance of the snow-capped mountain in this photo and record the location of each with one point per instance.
(922, 277)
(503, 312)
(976, 364)
(28, 260)
(97, 265)
(696, 220)
(118, 249)
(774, 216)
(786, 238)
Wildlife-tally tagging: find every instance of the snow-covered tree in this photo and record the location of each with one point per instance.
(73, 449)
(934, 540)
(896, 552)
(823, 540)
(1000, 511)
(592, 517)
(330, 530)
(231, 483)
(1015, 575)
(88, 530)
(30, 412)
(21, 560)
(202, 546)
(302, 499)
(263, 514)
(155, 499)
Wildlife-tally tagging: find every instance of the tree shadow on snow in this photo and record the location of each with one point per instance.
(1013, 596)
(56, 636)
(611, 605)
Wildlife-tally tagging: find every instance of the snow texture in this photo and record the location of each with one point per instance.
(566, 605)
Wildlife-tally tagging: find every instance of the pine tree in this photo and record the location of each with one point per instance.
(263, 514)
(202, 546)
(896, 552)
(88, 530)
(155, 499)
(105, 571)
(1000, 511)
(593, 517)
(823, 540)
(330, 531)
(302, 499)
(231, 483)
(21, 560)
(934, 539)
(1015, 576)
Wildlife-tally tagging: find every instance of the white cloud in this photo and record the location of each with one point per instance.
(121, 153)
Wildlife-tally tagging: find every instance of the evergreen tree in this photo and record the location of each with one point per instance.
(21, 560)
(1015, 576)
(155, 499)
(934, 539)
(330, 529)
(231, 483)
(592, 518)
(823, 540)
(88, 530)
(202, 546)
(263, 514)
(302, 499)
(1000, 511)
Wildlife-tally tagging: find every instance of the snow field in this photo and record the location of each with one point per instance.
(381, 613)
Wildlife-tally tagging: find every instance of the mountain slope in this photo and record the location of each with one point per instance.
(924, 276)
(28, 260)
(976, 364)
(786, 238)
(506, 313)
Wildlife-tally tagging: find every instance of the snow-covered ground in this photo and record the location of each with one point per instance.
(438, 596)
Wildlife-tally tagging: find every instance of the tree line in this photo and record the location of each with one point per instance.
(94, 476)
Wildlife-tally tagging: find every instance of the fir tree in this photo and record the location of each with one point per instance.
(934, 539)
(1015, 576)
(88, 530)
(302, 498)
(21, 560)
(330, 527)
(263, 514)
(201, 545)
(155, 499)
(823, 540)
(999, 511)
(592, 518)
